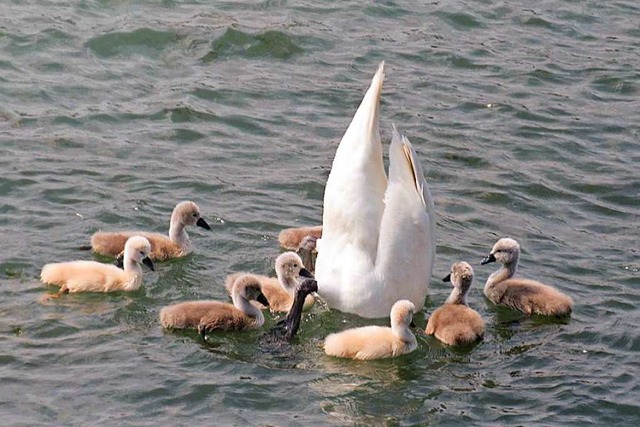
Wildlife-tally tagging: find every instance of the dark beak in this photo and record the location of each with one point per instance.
(148, 263)
(202, 223)
(489, 258)
(412, 324)
(447, 278)
(306, 273)
(120, 261)
(263, 300)
(292, 322)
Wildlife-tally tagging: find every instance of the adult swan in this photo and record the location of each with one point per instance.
(378, 237)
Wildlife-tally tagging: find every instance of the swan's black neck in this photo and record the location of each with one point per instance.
(292, 322)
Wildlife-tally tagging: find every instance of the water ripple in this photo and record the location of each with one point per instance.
(112, 112)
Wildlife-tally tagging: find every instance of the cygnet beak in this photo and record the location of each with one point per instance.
(263, 300)
(120, 261)
(202, 223)
(489, 258)
(306, 273)
(148, 263)
(447, 278)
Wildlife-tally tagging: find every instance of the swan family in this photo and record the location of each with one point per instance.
(374, 256)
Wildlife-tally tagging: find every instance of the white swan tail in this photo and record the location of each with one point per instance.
(406, 250)
(353, 198)
(378, 241)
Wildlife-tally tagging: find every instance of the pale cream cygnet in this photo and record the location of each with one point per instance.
(92, 276)
(376, 342)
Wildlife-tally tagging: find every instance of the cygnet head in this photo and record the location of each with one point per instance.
(505, 251)
(188, 213)
(289, 266)
(402, 313)
(138, 249)
(461, 276)
(247, 287)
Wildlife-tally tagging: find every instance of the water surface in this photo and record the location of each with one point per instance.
(524, 116)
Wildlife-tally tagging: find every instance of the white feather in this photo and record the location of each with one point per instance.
(378, 241)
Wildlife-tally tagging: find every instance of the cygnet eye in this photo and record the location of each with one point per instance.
(194, 214)
(142, 253)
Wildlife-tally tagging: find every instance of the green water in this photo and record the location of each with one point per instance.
(524, 116)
